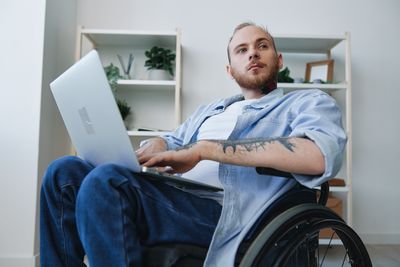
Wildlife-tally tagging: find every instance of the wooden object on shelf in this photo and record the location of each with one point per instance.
(320, 70)
(336, 205)
(337, 182)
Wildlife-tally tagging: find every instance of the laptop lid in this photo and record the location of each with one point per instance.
(91, 115)
(94, 124)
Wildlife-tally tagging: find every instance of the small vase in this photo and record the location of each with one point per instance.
(127, 76)
(159, 75)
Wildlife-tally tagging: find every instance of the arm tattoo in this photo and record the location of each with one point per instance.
(254, 144)
(248, 144)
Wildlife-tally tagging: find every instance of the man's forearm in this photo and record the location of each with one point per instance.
(295, 155)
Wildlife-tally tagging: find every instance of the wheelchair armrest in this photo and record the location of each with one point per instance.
(323, 198)
(270, 171)
(274, 172)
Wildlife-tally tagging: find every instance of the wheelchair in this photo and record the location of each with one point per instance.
(287, 235)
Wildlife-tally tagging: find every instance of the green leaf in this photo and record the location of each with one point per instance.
(113, 75)
(160, 58)
(283, 76)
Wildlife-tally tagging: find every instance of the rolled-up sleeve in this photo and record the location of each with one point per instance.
(319, 118)
(175, 139)
(182, 135)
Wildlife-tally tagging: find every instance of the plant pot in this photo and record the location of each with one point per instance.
(159, 75)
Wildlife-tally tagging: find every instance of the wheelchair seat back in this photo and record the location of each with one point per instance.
(165, 255)
(296, 196)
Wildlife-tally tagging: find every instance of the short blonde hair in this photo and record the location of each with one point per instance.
(244, 25)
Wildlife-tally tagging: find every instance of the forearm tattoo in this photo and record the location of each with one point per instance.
(254, 144)
(248, 144)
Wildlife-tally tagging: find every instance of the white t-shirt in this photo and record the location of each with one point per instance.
(217, 127)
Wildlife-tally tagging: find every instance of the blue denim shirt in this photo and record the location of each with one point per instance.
(302, 113)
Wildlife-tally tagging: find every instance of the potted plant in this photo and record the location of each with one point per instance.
(113, 75)
(160, 63)
(284, 76)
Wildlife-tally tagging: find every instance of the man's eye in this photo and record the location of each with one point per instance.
(242, 50)
(263, 45)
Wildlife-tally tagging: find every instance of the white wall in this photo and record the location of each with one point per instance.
(206, 26)
(59, 54)
(31, 134)
(21, 71)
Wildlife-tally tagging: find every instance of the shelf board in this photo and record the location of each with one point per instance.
(337, 188)
(106, 37)
(322, 86)
(306, 43)
(137, 84)
(325, 241)
(147, 133)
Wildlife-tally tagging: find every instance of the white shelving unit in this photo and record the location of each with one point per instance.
(304, 45)
(155, 104)
(324, 87)
(158, 102)
(160, 85)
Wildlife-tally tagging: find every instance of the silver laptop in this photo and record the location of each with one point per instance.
(94, 124)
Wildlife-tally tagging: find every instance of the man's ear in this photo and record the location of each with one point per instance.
(229, 70)
(280, 60)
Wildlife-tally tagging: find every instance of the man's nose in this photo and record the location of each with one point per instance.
(254, 54)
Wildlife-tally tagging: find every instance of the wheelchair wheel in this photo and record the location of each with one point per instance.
(292, 239)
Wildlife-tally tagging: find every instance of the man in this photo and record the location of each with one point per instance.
(110, 213)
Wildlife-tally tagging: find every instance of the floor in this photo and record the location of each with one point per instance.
(384, 255)
(381, 256)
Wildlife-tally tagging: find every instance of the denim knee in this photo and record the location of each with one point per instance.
(99, 186)
(65, 170)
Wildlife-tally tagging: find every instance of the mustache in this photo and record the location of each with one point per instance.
(255, 64)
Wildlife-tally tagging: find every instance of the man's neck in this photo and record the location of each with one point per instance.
(258, 93)
(252, 94)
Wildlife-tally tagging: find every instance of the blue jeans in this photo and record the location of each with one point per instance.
(111, 214)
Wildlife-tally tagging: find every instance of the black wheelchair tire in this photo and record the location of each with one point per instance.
(358, 254)
(312, 217)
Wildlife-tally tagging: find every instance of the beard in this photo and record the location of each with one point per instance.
(264, 81)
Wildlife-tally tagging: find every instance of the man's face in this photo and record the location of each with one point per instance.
(254, 62)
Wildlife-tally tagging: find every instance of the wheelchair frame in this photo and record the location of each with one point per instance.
(307, 220)
(295, 229)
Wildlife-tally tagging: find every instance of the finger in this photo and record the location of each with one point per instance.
(141, 159)
(152, 162)
(148, 163)
(145, 157)
(140, 150)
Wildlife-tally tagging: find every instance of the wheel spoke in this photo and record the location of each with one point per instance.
(326, 251)
(344, 259)
(296, 242)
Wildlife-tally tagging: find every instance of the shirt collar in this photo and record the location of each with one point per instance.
(265, 101)
(258, 104)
